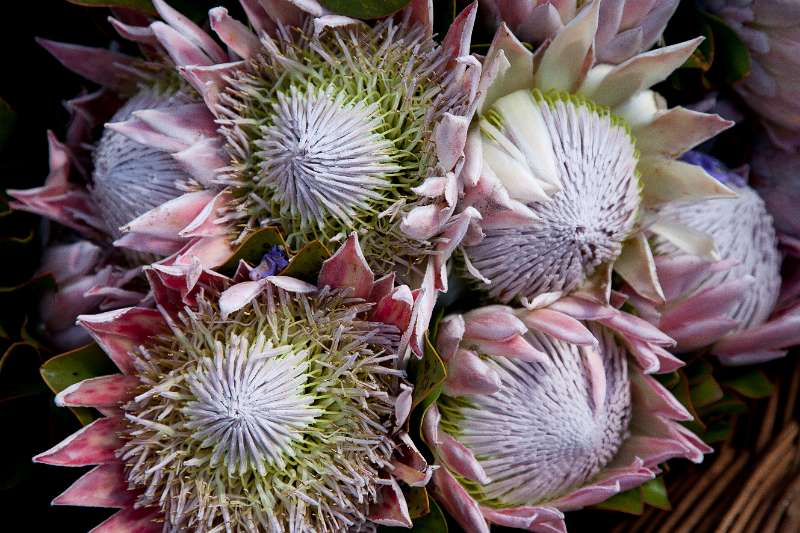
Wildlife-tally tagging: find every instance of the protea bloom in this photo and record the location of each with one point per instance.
(97, 184)
(264, 405)
(87, 280)
(626, 27)
(731, 304)
(567, 159)
(771, 30)
(318, 124)
(548, 410)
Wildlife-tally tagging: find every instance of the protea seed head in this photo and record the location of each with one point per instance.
(584, 196)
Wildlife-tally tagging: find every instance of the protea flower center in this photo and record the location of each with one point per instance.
(329, 133)
(277, 418)
(130, 178)
(573, 165)
(550, 427)
(742, 231)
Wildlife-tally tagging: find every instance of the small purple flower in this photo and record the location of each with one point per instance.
(273, 262)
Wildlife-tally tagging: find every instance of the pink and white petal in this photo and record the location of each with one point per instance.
(582, 309)
(667, 180)
(458, 503)
(291, 284)
(460, 459)
(202, 160)
(641, 72)
(687, 239)
(610, 482)
(68, 262)
(776, 334)
(559, 325)
(751, 358)
(391, 508)
(423, 309)
(524, 517)
(680, 274)
(430, 427)
(468, 374)
(701, 333)
(636, 266)
(457, 41)
(233, 33)
(492, 322)
(382, 287)
(209, 81)
(180, 49)
(716, 301)
(395, 308)
(138, 34)
(257, 16)
(508, 67)
(190, 31)
(450, 136)
(212, 252)
(675, 131)
(402, 405)
(420, 12)
(142, 133)
(102, 486)
(348, 268)
(150, 244)
(409, 465)
(239, 295)
(636, 328)
(132, 520)
(188, 124)
(563, 64)
(424, 222)
(103, 391)
(515, 348)
(93, 444)
(451, 331)
(652, 397)
(121, 331)
(207, 222)
(284, 12)
(95, 64)
(168, 219)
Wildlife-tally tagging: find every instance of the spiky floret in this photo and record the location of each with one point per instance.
(130, 178)
(276, 418)
(546, 431)
(328, 133)
(743, 233)
(584, 205)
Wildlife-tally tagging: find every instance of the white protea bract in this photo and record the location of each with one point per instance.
(569, 157)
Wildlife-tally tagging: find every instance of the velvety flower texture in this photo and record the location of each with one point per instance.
(771, 30)
(269, 405)
(567, 160)
(549, 410)
(318, 124)
(732, 304)
(626, 27)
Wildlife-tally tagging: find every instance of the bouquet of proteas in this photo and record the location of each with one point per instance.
(339, 265)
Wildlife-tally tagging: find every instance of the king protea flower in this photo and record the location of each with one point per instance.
(567, 159)
(730, 303)
(771, 30)
(549, 410)
(320, 125)
(263, 405)
(625, 27)
(97, 184)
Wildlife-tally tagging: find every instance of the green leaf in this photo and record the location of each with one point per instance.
(365, 9)
(732, 57)
(630, 502)
(728, 405)
(146, 6)
(718, 431)
(433, 522)
(7, 120)
(752, 384)
(706, 392)
(654, 493)
(306, 264)
(71, 367)
(254, 247)
(429, 375)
